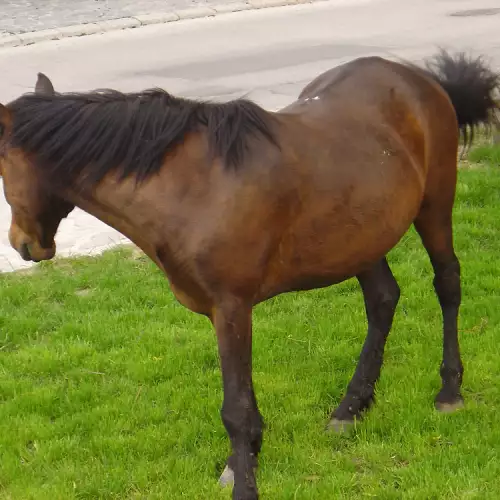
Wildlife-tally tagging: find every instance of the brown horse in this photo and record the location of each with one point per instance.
(236, 204)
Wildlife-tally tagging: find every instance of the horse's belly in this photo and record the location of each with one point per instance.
(322, 251)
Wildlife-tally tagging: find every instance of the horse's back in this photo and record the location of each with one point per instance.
(371, 107)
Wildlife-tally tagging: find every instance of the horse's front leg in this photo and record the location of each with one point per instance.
(233, 325)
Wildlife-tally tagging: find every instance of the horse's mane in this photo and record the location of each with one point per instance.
(86, 135)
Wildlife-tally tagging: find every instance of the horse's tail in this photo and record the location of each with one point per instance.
(471, 86)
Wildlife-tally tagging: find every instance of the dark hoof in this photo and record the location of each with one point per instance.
(449, 407)
(339, 426)
(226, 478)
(246, 496)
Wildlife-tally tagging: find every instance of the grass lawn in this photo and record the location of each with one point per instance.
(109, 389)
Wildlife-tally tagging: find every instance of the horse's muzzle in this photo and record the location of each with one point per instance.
(35, 253)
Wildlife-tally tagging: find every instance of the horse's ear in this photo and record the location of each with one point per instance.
(5, 121)
(5, 124)
(44, 85)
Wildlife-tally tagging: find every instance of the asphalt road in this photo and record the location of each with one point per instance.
(266, 55)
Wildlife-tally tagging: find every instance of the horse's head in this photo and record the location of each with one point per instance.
(36, 210)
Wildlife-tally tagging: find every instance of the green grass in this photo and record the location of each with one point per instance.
(111, 390)
(486, 154)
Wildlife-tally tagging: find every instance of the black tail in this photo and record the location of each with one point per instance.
(471, 85)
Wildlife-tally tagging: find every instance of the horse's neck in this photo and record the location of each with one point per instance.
(124, 207)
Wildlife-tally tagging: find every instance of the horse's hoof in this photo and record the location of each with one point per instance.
(449, 407)
(339, 426)
(227, 477)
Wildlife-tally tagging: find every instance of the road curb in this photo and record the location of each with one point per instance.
(30, 38)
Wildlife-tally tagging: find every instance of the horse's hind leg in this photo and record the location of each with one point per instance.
(434, 225)
(381, 295)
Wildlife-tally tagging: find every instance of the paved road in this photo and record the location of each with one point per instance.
(20, 16)
(267, 55)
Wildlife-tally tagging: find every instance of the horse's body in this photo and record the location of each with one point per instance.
(253, 204)
(294, 225)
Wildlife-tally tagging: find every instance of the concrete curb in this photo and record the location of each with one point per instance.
(16, 40)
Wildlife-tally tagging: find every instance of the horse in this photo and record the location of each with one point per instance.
(236, 204)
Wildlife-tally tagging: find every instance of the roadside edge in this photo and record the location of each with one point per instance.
(77, 30)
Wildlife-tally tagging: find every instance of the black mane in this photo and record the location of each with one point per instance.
(87, 135)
